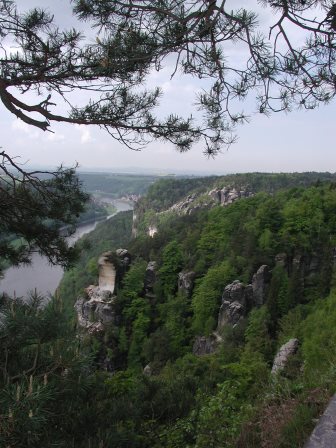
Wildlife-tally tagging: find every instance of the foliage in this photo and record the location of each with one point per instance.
(35, 206)
(51, 62)
(41, 369)
(116, 185)
(135, 37)
(172, 263)
(223, 399)
(206, 298)
(280, 71)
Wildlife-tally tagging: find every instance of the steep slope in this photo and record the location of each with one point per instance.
(204, 307)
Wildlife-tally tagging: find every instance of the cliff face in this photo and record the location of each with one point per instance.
(190, 204)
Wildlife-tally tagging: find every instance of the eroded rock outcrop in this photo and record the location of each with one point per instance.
(152, 230)
(324, 434)
(96, 309)
(204, 345)
(107, 272)
(150, 277)
(236, 301)
(229, 194)
(185, 282)
(281, 259)
(186, 206)
(284, 353)
(147, 371)
(260, 282)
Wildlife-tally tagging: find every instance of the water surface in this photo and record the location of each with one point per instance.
(40, 274)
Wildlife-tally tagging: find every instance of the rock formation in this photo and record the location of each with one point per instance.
(186, 206)
(281, 259)
(204, 345)
(225, 196)
(260, 283)
(152, 230)
(324, 434)
(229, 194)
(236, 300)
(96, 310)
(147, 371)
(150, 277)
(107, 272)
(285, 351)
(186, 282)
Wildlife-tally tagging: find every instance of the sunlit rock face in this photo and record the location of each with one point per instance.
(228, 194)
(152, 230)
(107, 272)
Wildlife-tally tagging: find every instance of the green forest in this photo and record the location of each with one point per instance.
(174, 368)
(116, 185)
(206, 316)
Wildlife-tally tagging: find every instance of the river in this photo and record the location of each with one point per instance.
(40, 274)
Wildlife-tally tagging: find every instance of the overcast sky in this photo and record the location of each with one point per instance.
(298, 141)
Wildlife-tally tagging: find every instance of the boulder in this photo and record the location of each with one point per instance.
(186, 282)
(285, 351)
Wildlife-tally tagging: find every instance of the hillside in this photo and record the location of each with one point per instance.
(181, 352)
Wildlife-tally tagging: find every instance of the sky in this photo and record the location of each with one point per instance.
(297, 141)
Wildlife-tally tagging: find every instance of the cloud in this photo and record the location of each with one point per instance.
(21, 126)
(85, 133)
(55, 137)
